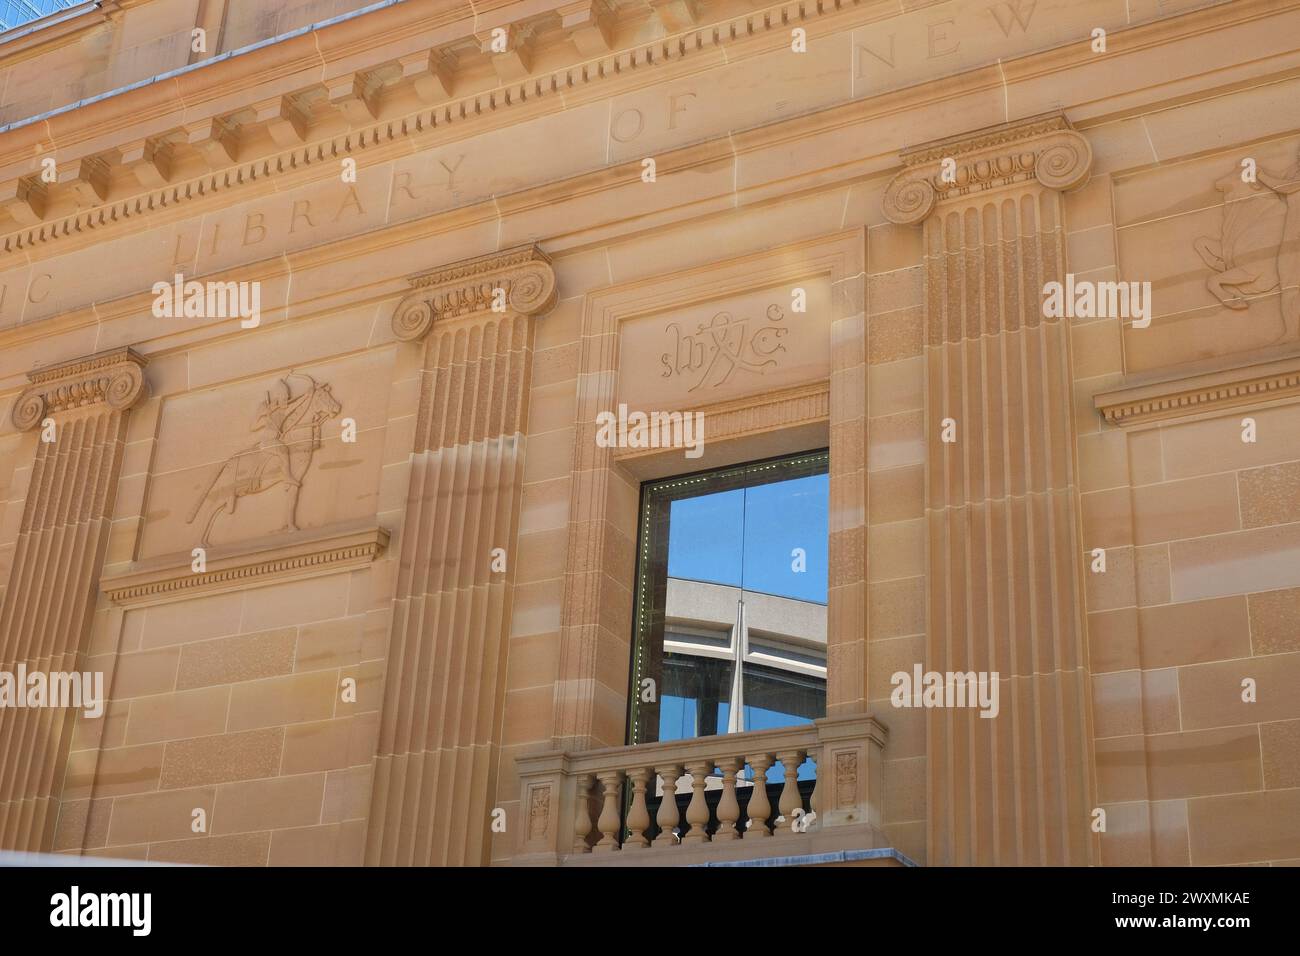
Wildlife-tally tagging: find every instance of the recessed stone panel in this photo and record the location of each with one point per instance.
(1211, 243)
(727, 348)
(231, 445)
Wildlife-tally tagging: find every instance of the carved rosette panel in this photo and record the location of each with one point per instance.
(436, 767)
(523, 275)
(46, 612)
(1042, 150)
(846, 780)
(1004, 568)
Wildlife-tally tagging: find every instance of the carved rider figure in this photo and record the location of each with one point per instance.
(270, 426)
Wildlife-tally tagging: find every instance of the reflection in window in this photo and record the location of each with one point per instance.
(731, 601)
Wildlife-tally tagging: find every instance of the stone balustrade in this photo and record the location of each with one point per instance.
(606, 806)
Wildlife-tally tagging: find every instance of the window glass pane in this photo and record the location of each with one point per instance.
(711, 656)
(775, 698)
(696, 697)
(786, 538)
(702, 541)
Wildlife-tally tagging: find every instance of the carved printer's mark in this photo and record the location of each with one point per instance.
(717, 348)
(1258, 248)
(288, 428)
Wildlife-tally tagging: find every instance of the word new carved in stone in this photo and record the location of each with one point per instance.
(288, 427)
(717, 348)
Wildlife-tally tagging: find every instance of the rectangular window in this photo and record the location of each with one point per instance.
(730, 620)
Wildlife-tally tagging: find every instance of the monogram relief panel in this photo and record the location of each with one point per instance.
(1218, 238)
(276, 453)
(727, 348)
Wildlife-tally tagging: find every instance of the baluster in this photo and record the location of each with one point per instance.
(728, 806)
(813, 798)
(582, 818)
(612, 780)
(638, 817)
(759, 806)
(790, 799)
(697, 811)
(667, 817)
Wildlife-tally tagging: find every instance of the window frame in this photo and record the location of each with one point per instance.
(646, 653)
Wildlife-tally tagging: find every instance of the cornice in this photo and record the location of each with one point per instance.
(322, 554)
(114, 378)
(1203, 393)
(426, 74)
(469, 287)
(1043, 148)
(626, 69)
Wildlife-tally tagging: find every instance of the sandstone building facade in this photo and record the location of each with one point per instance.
(364, 583)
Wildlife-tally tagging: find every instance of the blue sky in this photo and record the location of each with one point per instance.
(706, 533)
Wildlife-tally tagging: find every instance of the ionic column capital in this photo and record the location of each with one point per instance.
(1044, 149)
(114, 379)
(469, 287)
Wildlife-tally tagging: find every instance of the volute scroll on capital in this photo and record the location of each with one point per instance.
(114, 379)
(467, 288)
(1045, 149)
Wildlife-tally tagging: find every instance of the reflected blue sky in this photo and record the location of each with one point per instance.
(772, 519)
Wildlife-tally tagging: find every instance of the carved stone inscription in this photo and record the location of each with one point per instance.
(715, 350)
(726, 348)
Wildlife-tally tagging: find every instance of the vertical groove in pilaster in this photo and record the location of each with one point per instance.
(444, 694)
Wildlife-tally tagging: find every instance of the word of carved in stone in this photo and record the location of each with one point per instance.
(288, 427)
(1256, 251)
(1042, 149)
(723, 345)
(114, 379)
(519, 280)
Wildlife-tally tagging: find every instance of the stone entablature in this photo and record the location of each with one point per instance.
(410, 98)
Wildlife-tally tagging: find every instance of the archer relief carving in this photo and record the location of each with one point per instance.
(1258, 249)
(288, 428)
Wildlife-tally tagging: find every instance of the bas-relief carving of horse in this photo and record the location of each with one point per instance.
(290, 435)
(1244, 259)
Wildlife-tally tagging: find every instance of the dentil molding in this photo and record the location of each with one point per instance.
(275, 560)
(1184, 396)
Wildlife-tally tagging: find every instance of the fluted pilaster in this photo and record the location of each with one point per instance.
(435, 773)
(1004, 575)
(45, 618)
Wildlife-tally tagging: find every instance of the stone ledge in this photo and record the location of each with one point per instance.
(753, 415)
(862, 844)
(269, 560)
(1178, 398)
